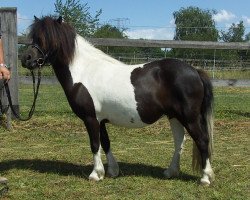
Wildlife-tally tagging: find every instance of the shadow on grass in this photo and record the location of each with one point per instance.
(82, 171)
(239, 112)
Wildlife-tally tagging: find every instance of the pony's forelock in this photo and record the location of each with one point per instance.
(55, 37)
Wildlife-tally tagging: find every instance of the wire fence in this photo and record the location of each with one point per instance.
(217, 68)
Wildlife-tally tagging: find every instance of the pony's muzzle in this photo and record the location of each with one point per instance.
(26, 61)
(30, 59)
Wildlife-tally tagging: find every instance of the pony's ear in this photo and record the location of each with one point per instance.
(36, 18)
(59, 20)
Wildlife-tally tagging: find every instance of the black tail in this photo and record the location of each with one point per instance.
(207, 118)
(207, 104)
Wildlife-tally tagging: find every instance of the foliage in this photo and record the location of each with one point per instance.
(234, 34)
(245, 55)
(78, 15)
(195, 24)
(109, 31)
(247, 37)
(152, 52)
(22, 47)
(49, 156)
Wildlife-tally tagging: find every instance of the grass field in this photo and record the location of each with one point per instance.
(49, 157)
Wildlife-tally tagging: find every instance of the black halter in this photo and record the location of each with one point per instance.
(42, 60)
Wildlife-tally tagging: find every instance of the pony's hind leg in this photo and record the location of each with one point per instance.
(113, 167)
(201, 154)
(179, 138)
(208, 174)
(93, 129)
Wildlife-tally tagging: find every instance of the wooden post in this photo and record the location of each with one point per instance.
(8, 18)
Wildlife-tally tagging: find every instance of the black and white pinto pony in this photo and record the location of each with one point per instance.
(103, 90)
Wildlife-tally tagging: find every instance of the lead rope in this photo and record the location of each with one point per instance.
(35, 92)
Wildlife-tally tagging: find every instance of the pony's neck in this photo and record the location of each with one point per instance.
(85, 55)
(64, 77)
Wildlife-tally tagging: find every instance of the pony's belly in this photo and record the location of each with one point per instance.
(122, 117)
(128, 122)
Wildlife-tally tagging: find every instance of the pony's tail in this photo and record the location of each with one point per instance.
(206, 121)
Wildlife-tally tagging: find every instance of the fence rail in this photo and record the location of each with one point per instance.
(211, 64)
(159, 43)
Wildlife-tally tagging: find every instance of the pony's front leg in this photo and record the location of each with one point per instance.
(113, 167)
(93, 129)
(178, 134)
(98, 172)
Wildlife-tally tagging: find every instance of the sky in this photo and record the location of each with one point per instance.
(148, 19)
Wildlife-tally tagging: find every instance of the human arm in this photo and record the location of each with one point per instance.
(4, 71)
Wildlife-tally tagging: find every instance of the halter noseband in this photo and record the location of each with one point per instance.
(42, 60)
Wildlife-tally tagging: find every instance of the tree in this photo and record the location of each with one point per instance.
(109, 31)
(194, 24)
(247, 37)
(246, 54)
(234, 34)
(78, 15)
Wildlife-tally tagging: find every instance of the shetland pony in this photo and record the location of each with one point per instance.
(103, 90)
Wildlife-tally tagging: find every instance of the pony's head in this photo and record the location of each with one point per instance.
(52, 41)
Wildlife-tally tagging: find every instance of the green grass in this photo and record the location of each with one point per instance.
(230, 74)
(49, 156)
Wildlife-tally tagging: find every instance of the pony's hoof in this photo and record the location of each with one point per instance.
(170, 173)
(3, 180)
(205, 182)
(96, 177)
(113, 171)
(207, 179)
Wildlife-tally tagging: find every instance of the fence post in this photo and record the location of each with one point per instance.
(214, 62)
(8, 18)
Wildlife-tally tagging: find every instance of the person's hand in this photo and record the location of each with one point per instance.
(4, 73)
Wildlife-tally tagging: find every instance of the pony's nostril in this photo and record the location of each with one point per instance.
(28, 57)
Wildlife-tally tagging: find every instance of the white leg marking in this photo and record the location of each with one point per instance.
(208, 174)
(113, 167)
(98, 171)
(179, 139)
